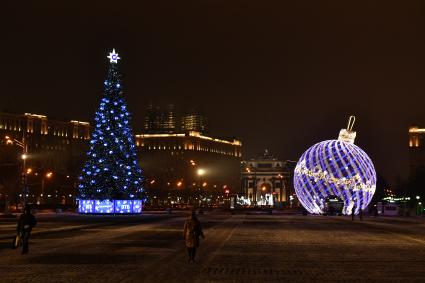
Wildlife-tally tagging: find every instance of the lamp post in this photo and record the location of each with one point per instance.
(200, 172)
(250, 170)
(418, 206)
(186, 181)
(48, 175)
(22, 144)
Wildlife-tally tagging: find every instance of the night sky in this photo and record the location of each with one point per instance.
(276, 75)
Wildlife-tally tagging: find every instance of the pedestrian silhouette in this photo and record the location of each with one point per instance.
(25, 224)
(191, 233)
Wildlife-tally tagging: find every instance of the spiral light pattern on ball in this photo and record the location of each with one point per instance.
(335, 168)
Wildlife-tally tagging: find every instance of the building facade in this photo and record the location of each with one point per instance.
(160, 121)
(189, 167)
(267, 181)
(164, 120)
(416, 161)
(416, 148)
(194, 122)
(53, 146)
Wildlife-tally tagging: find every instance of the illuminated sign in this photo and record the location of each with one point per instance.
(104, 206)
(137, 206)
(110, 206)
(123, 206)
(86, 206)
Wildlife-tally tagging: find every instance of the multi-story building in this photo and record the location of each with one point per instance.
(189, 165)
(267, 181)
(52, 145)
(163, 121)
(417, 161)
(416, 147)
(178, 165)
(159, 121)
(194, 121)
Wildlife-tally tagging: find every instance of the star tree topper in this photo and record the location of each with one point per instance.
(113, 57)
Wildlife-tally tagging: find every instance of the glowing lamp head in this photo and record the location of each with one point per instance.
(201, 172)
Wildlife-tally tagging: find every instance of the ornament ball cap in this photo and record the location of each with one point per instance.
(348, 135)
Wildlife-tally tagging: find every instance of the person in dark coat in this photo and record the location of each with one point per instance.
(191, 233)
(25, 224)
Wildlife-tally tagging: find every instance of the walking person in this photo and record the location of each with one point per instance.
(25, 224)
(191, 233)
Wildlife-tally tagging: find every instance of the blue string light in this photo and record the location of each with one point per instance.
(105, 178)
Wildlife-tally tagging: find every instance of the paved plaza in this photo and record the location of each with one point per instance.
(237, 248)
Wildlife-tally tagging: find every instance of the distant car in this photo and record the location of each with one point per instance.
(15, 208)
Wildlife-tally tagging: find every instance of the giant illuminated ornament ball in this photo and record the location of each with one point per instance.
(335, 169)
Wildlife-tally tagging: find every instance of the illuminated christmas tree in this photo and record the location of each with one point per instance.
(111, 180)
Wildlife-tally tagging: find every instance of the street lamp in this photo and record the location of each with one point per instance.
(48, 175)
(201, 172)
(22, 144)
(418, 206)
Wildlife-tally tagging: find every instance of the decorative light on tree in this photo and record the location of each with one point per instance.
(335, 168)
(111, 180)
(113, 57)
